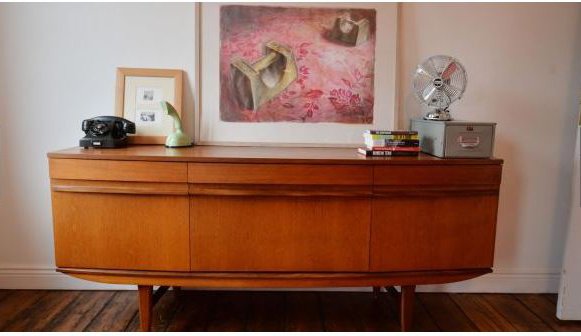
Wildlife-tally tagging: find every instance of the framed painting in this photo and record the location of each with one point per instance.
(296, 74)
(138, 96)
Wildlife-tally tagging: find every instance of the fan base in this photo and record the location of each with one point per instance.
(441, 115)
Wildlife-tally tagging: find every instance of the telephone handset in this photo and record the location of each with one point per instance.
(106, 132)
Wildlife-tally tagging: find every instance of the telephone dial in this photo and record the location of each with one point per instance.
(106, 132)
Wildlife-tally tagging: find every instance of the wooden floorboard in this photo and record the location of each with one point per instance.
(117, 313)
(481, 313)
(15, 303)
(517, 313)
(266, 311)
(446, 313)
(79, 314)
(277, 311)
(3, 294)
(38, 316)
(192, 312)
(544, 308)
(303, 312)
(228, 311)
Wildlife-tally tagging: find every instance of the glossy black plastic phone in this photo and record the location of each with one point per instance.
(106, 132)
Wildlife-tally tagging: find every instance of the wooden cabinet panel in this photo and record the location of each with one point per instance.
(279, 234)
(279, 174)
(116, 231)
(435, 233)
(106, 170)
(438, 175)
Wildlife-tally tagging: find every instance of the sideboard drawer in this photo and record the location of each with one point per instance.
(437, 175)
(110, 170)
(117, 231)
(451, 231)
(241, 173)
(264, 234)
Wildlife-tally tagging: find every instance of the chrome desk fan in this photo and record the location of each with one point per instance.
(438, 82)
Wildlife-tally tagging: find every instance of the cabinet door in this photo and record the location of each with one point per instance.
(433, 233)
(117, 231)
(253, 233)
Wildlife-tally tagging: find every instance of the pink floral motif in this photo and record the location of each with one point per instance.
(302, 51)
(345, 101)
(312, 105)
(303, 76)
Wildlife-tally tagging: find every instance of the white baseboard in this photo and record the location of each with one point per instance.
(503, 281)
(48, 278)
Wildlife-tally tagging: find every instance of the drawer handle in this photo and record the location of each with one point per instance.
(468, 142)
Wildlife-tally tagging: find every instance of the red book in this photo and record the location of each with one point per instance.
(395, 149)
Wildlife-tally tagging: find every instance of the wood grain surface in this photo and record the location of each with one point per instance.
(440, 232)
(115, 231)
(300, 174)
(279, 234)
(272, 279)
(106, 170)
(249, 154)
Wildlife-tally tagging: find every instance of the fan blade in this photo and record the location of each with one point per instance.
(428, 92)
(426, 73)
(452, 91)
(450, 69)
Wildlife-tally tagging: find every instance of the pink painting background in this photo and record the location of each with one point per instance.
(335, 81)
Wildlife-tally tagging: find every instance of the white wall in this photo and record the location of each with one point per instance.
(57, 67)
(523, 64)
(569, 305)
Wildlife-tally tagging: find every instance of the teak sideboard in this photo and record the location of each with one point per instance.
(212, 216)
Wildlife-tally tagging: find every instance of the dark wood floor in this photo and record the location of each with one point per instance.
(276, 311)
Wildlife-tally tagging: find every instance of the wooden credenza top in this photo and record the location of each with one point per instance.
(232, 154)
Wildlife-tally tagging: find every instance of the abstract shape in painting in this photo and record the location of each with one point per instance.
(257, 83)
(297, 64)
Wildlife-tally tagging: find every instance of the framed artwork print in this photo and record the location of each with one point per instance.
(297, 74)
(138, 94)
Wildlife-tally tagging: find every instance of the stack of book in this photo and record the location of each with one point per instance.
(390, 143)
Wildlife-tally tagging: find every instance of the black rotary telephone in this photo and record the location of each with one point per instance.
(106, 132)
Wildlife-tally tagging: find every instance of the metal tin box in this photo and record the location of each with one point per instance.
(455, 139)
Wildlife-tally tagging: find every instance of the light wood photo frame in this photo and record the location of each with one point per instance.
(138, 92)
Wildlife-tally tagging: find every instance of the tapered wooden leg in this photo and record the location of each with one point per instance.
(406, 306)
(145, 306)
(376, 292)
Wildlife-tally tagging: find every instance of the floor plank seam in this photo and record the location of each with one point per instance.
(174, 312)
(474, 325)
(534, 313)
(32, 304)
(100, 311)
(493, 306)
(60, 315)
(130, 321)
(429, 313)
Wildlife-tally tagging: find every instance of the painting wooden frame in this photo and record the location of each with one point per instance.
(210, 130)
(165, 82)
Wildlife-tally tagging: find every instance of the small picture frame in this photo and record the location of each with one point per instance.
(138, 93)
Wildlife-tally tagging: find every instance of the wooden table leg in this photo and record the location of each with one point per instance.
(406, 306)
(145, 306)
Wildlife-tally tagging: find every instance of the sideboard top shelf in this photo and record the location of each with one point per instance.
(235, 154)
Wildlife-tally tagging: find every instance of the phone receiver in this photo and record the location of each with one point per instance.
(106, 132)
